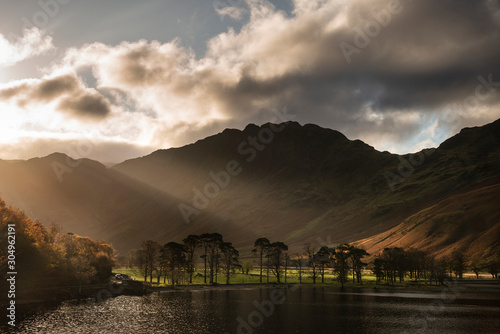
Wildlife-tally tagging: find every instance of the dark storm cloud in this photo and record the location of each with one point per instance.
(53, 88)
(380, 70)
(424, 56)
(429, 54)
(91, 105)
(67, 90)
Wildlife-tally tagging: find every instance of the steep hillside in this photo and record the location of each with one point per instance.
(286, 182)
(469, 221)
(89, 199)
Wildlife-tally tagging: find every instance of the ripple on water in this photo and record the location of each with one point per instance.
(307, 310)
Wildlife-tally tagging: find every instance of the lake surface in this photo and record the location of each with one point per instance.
(274, 310)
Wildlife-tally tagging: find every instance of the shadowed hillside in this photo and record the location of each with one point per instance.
(286, 182)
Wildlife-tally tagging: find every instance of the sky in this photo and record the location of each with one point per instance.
(117, 79)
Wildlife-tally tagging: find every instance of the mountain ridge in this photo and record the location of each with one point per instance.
(298, 183)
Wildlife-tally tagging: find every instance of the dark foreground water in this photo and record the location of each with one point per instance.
(274, 310)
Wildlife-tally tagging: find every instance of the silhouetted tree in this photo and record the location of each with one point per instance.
(493, 265)
(341, 267)
(298, 262)
(477, 265)
(229, 256)
(312, 261)
(377, 269)
(357, 255)
(277, 254)
(149, 257)
(205, 240)
(176, 257)
(260, 248)
(323, 259)
(458, 263)
(192, 242)
(394, 263)
(214, 242)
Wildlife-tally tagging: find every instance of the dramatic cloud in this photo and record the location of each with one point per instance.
(66, 91)
(32, 43)
(400, 75)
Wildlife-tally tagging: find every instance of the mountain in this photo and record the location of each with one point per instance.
(289, 182)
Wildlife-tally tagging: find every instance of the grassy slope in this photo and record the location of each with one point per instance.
(309, 185)
(468, 221)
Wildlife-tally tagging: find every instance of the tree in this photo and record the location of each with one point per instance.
(230, 257)
(312, 261)
(323, 259)
(477, 265)
(103, 264)
(149, 256)
(192, 242)
(287, 261)
(82, 271)
(377, 269)
(458, 263)
(205, 240)
(298, 263)
(175, 255)
(341, 255)
(215, 240)
(132, 258)
(247, 266)
(260, 248)
(142, 263)
(357, 255)
(395, 263)
(493, 265)
(277, 255)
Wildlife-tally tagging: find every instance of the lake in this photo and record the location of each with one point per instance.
(274, 310)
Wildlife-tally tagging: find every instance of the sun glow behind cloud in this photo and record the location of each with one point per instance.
(153, 94)
(31, 44)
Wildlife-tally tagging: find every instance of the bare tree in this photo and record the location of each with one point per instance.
(312, 261)
(298, 263)
(149, 256)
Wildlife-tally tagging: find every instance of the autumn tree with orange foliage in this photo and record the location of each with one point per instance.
(46, 257)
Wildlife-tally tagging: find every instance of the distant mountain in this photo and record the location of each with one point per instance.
(285, 181)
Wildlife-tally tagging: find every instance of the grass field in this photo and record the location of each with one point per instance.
(368, 280)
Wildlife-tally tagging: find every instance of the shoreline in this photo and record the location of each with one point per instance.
(490, 286)
(484, 292)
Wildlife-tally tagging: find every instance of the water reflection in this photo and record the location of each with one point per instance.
(267, 310)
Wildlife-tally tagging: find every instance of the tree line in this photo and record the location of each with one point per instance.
(176, 262)
(396, 264)
(49, 257)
